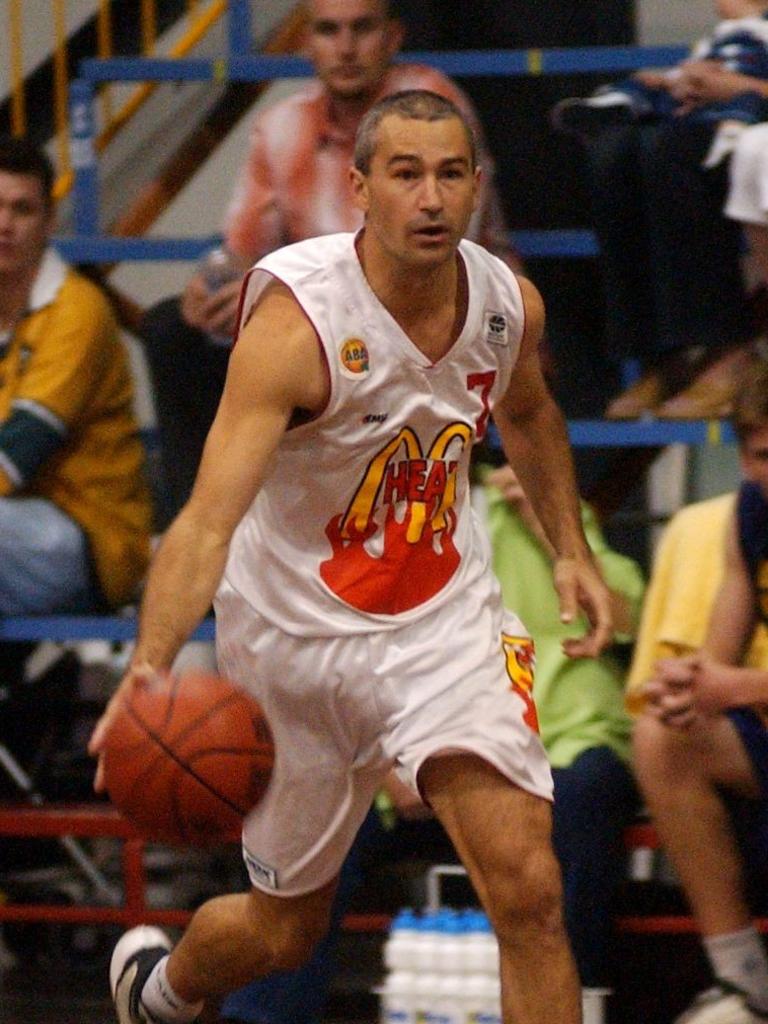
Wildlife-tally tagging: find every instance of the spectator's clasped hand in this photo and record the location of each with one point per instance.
(683, 689)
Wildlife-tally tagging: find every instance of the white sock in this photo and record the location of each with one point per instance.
(740, 958)
(162, 1003)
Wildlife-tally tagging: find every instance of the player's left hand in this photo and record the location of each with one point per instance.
(580, 586)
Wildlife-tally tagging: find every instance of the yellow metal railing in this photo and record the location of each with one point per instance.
(201, 15)
(104, 50)
(18, 105)
(60, 84)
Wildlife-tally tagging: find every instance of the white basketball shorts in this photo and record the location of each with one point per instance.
(345, 710)
(748, 195)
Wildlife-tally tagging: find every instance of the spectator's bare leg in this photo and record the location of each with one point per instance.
(679, 771)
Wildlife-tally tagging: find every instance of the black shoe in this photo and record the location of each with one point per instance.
(133, 959)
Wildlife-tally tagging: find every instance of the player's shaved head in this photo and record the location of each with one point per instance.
(411, 104)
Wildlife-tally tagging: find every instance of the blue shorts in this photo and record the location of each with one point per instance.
(751, 816)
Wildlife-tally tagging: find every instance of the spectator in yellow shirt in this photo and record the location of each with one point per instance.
(75, 511)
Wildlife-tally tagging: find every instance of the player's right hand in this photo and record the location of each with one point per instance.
(137, 675)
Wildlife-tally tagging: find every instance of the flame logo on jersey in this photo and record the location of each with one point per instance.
(521, 661)
(393, 548)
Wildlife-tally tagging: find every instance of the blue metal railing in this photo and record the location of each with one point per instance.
(458, 63)
(89, 246)
(62, 628)
(238, 66)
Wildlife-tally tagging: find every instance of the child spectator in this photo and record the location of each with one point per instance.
(580, 705)
(738, 45)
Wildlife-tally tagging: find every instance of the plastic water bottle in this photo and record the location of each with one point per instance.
(474, 1000)
(481, 950)
(426, 948)
(401, 942)
(426, 994)
(217, 268)
(482, 987)
(398, 999)
(474, 943)
(489, 947)
(449, 1000)
(452, 946)
(493, 1002)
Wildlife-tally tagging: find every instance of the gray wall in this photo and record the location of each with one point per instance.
(672, 21)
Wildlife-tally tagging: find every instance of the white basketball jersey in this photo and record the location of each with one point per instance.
(364, 522)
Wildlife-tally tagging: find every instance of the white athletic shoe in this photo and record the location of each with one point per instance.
(133, 959)
(586, 117)
(720, 1006)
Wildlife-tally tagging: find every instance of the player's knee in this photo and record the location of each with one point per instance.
(528, 901)
(292, 947)
(289, 934)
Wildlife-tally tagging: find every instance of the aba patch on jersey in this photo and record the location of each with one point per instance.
(354, 359)
(496, 328)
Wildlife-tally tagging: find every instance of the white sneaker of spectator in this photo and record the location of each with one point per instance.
(587, 116)
(720, 1005)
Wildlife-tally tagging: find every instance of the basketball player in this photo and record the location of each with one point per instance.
(355, 599)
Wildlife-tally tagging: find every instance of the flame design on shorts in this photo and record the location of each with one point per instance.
(521, 662)
(393, 548)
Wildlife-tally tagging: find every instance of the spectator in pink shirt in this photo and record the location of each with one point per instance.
(293, 185)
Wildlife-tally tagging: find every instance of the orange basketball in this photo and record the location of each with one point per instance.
(187, 757)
